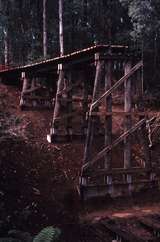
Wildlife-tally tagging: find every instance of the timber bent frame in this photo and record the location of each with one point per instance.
(82, 88)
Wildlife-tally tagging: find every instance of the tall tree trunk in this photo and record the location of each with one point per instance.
(61, 37)
(6, 47)
(44, 30)
(72, 32)
(84, 21)
(109, 30)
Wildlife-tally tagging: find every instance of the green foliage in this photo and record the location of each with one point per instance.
(48, 234)
(140, 13)
(144, 15)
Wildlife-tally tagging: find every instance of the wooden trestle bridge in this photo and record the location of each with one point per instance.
(81, 89)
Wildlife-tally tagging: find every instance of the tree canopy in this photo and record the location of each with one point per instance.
(85, 23)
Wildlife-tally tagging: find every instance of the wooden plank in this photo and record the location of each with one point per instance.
(116, 85)
(114, 144)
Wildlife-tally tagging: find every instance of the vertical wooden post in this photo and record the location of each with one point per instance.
(69, 104)
(85, 104)
(25, 81)
(24, 88)
(57, 106)
(128, 121)
(139, 93)
(34, 102)
(108, 118)
(143, 132)
(91, 121)
(33, 82)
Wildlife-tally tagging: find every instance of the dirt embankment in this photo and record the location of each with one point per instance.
(37, 179)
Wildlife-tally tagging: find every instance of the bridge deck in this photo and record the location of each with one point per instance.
(80, 56)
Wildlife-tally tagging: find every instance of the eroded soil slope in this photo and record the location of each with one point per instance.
(37, 179)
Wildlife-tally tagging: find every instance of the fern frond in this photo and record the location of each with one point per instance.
(48, 234)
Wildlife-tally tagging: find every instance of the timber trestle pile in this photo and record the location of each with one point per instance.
(82, 89)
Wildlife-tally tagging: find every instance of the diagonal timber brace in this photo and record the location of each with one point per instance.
(95, 102)
(114, 144)
(116, 85)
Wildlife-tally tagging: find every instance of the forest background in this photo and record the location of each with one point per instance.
(29, 30)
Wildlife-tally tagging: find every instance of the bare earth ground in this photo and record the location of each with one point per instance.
(38, 180)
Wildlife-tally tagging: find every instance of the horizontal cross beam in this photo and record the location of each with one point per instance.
(119, 171)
